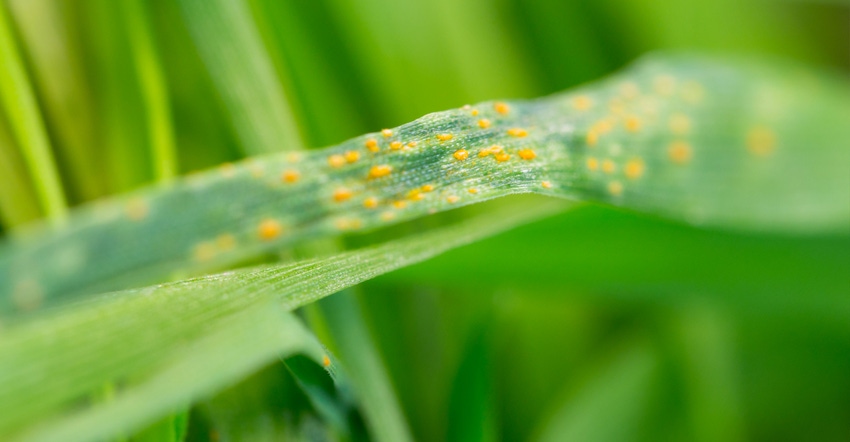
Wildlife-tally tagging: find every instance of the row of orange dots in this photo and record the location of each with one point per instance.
(498, 152)
(412, 196)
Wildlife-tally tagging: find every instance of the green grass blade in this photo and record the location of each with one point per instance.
(268, 405)
(124, 155)
(154, 89)
(606, 403)
(343, 317)
(388, 424)
(170, 429)
(705, 354)
(164, 378)
(331, 397)
(54, 50)
(162, 340)
(18, 203)
(615, 256)
(327, 104)
(710, 142)
(233, 51)
(472, 410)
(22, 110)
(348, 330)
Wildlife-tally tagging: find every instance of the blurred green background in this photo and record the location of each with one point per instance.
(594, 325)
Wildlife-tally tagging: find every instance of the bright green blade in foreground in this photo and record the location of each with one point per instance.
(161, 341)
(712, 142)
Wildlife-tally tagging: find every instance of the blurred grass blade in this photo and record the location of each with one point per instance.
(608, 402)
(163, 378)
(267, 405)
(21, 108)
(343, 318)
(472, 415)
(18, 203)
(53, 47)
(308, 66)
(615, 256)
(162, 341)
(704, 350)
(450, 46)
(272, 118)
(231, 47)
(154, 89)
(170, 429)
(122, 144)
(331, 396)
(712, 142)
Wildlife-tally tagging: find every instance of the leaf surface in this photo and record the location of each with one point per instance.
(721, 143)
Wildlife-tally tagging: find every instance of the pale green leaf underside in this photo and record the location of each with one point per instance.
(714, 142)
(161, 341)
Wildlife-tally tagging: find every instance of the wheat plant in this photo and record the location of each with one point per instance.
(198, 273)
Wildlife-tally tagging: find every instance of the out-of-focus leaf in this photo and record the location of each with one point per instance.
(623, 257)
(157, 373)
(170, 429)
(472, 405)
(22, 111)
(343, 318)
(154, 89)
(233, 51)
(121, 143)
(703, 348)
(266, 406)
(18, 203)
(606, 403)
(58, 72)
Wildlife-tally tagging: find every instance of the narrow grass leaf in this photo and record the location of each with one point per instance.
(472, 414)
(331, 397)
(21, 108)
(233, 51)
(171, 344)
(704, 351)
(53, 49)
(122, 146)
(18, 202)
(343, 318)
(154, 89)
(608, 402)
(620, 257)
(711, 142)
(162, 379)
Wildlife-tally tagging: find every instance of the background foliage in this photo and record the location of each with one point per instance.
(597, 323)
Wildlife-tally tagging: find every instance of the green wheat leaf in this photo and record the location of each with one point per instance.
(711, 142)
(55, 55)
(152, 82)
(19, 103)
(162, 340)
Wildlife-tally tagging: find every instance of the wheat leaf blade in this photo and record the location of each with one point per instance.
(711, 142)
(159, 339)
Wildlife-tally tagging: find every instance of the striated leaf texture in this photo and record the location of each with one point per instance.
(163, 347)
(717, 142)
